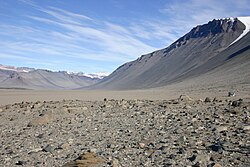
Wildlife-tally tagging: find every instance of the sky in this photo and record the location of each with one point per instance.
(99, 35)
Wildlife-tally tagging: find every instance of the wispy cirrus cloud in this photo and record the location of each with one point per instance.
(14, 57)
(156, 30)
(187, 14)
(75, 36)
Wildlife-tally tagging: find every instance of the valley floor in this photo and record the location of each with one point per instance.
(153, 127)
(10, 96)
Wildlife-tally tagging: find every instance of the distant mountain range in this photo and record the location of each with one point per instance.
(31, 78)
(206, 49)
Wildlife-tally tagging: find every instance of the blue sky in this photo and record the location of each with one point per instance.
(99, 35)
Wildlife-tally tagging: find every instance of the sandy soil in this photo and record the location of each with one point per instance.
(17, 96)
(10, 96)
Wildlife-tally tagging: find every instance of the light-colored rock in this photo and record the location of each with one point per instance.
(217, 165)
(64, 146)
(187, 107)
(246, 128)
(185, 98)
(87, 159)
(42, 120)
(35, 150)
(85, 108)
(115, 163)
(221, 128)
(142, 145)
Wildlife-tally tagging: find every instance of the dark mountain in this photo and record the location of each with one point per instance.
(205, 48)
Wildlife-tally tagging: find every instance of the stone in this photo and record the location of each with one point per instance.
(231, 94)
(115, 163)
(236, 103)
(182, 139)
(197, 164)
(215, 100)
(35, 150)
(87, 159)
(142, 145)
(64, 146)
(185, 98)
(217, 147)
(192, 158)
(187, 107)
(70, 141)
(181, 151)
(85, 108)
(234, 111)
(41, 120)
(246, 128)
(207, 100)
(93, 150)
(221, 128)
(20, 163)
(49, 148)
(40, 136)
(211, 164)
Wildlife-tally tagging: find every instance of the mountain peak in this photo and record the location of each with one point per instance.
(246, 21)
(236, 26)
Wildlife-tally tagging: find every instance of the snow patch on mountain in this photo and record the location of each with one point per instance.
(246, 22)
(99, 75)
(16, 69)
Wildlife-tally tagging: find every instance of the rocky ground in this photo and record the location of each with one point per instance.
(126, 133)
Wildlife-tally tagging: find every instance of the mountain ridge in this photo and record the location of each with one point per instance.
(97, 75)
(31, 78)
(203, 45)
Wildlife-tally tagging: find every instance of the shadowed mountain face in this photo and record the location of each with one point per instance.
(42, 79)
(204, 48)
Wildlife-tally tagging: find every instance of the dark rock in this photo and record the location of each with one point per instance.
(20, 163)
(48, 148)
(217, 147)
(211, 165)
(181, 151)
(197, 164)
(215, 100)
(192, 158)
(207, 100)
(40, 136)
(237, 103)
(171, 156)
(231, 94)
